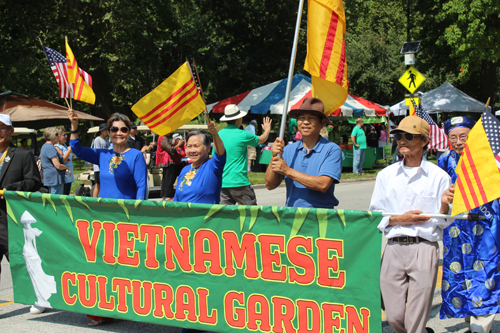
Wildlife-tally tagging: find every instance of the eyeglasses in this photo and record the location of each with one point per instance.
(57, 134)
(64, 135)
(3, 129)
(462, 138)
(408, 136)
(114, 129)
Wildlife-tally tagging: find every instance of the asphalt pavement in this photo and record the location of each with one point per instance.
(16, 317)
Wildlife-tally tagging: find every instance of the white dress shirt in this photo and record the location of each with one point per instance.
(398, 191)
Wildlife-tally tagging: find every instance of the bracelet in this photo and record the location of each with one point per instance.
(73, 132)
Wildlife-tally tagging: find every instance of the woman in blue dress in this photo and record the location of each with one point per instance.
(201, 181)
(123, 170)
(471, 277)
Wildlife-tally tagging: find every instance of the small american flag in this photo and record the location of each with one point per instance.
(492, 129)
(58, 65)
(438, 139)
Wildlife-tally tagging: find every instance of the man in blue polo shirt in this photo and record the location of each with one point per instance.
(311, 167)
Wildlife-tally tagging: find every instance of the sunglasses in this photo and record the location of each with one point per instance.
(114, 129)
(408, 136)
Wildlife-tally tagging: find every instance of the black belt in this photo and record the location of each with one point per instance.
(408, 239)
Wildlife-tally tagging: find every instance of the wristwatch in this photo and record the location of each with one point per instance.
(74, 132)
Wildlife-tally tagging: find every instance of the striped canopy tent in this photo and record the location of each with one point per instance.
(271, 97)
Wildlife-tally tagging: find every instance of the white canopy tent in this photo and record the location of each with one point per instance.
(446, 98)
(497, 113)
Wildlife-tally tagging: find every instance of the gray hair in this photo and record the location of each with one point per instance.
(50, 133)
(423, 137)
(205, 137)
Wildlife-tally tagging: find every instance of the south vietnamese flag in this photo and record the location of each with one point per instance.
(172, 104)
(326, 59)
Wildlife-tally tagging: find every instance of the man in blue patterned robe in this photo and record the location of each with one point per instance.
(471, 257)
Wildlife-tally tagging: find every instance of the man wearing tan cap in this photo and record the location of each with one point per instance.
(412, 188)
(311, 166)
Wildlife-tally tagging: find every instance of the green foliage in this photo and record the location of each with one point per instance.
(129, 47)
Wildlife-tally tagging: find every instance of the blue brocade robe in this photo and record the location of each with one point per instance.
(471, 259)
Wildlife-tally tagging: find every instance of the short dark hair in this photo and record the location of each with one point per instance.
(205, 137)
(118, 117)
(231, 122)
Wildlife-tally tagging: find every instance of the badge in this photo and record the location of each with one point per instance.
(7, 159)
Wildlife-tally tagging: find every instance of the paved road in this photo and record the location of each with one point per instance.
(16, 318)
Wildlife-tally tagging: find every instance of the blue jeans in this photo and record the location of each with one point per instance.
(358, 157)
(56, 189)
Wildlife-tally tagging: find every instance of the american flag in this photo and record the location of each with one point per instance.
(58, 65)
(438, 139)
(492, 128)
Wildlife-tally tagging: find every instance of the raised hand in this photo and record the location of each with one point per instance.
(266, 124)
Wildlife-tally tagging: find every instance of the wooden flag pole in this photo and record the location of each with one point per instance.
(487, 103)
(70, 84)
(49, 64)
(290, 70)
(207, 118)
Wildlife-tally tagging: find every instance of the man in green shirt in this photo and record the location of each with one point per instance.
(358, 147)
(236, 187)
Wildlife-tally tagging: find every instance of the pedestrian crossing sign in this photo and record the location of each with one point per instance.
(411, 79)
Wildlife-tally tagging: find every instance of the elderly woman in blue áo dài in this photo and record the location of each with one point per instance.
(471, 257)
(52, 163)
(201, 181)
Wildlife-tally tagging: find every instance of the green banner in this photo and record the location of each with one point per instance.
(211, 267)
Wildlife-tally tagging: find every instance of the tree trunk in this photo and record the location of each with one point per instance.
(488, 82)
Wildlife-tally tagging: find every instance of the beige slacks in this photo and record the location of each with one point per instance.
(407, 281)
(480, 324)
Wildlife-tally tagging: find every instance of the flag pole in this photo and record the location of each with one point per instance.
(202, 95)
(290, 70)
(49, 64)
(70, 84)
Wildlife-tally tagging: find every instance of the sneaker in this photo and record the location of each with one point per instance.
(429, 330)
(37, 309)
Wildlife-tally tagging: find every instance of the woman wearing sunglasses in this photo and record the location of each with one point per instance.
(123, 170)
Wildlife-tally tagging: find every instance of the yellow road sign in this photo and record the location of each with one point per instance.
(411, 79)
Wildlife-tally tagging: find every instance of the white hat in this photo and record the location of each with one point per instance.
(232, 112)
(5, 118)
(176, 136)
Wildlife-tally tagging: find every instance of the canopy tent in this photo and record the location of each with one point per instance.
(271, 97)
(497, 113)
(36, 113)
(447, 98)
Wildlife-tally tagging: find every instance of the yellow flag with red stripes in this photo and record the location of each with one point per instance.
(172, 104)
(326, 59)
(81, 90)
(478, 168)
